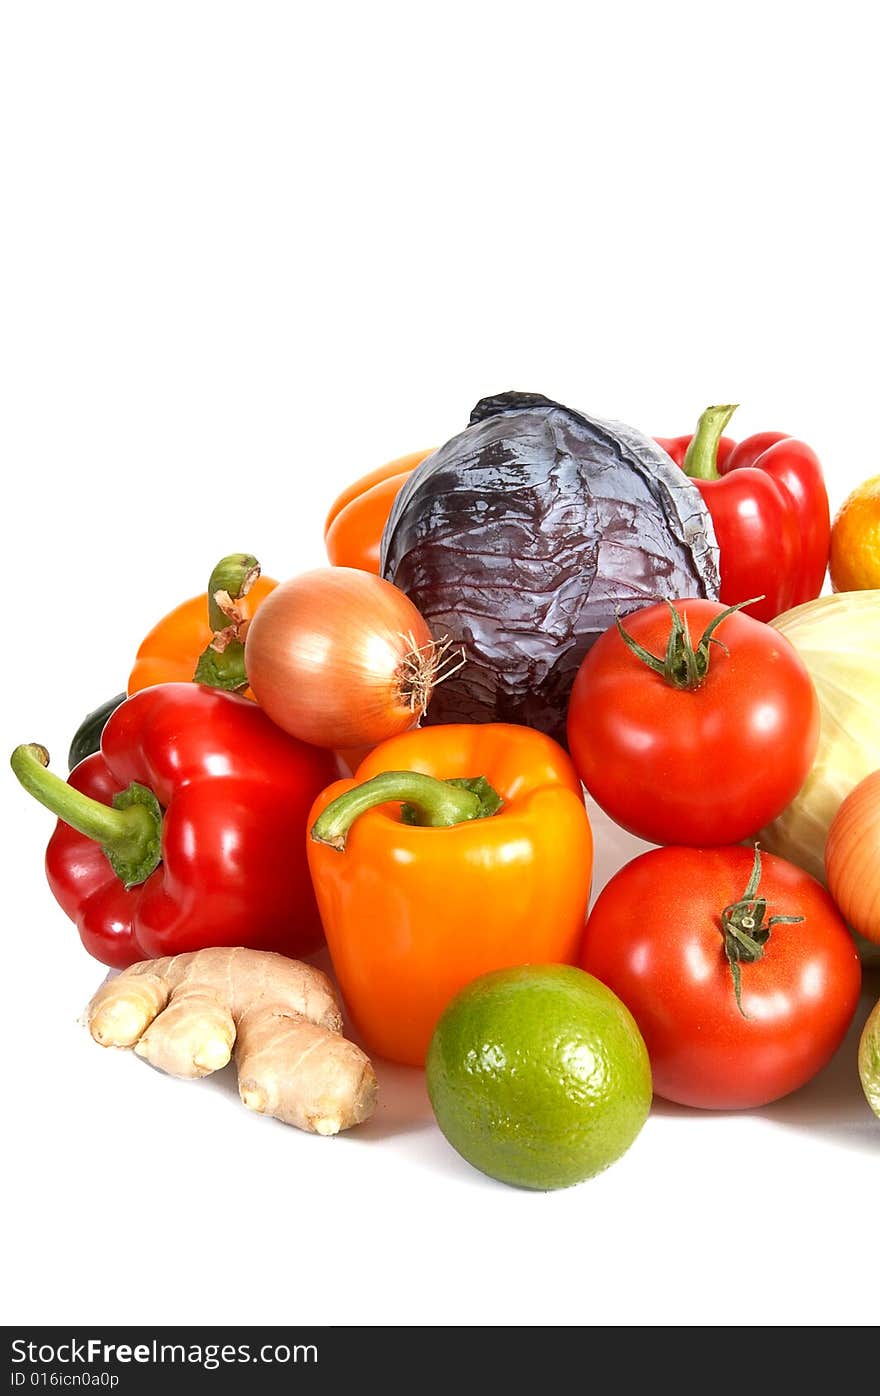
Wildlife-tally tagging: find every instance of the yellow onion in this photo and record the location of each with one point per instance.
(852, 858)
(342, 658)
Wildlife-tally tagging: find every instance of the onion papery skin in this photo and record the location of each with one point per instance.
(329, 660)
(852, 858)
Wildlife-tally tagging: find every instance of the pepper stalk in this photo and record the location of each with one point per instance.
(221, 664)
(129, 831)
(426, 802)
(701, 457)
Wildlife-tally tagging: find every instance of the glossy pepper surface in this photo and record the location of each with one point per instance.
(357, 518)
(495, 872)
(205, 845)
(769, 506)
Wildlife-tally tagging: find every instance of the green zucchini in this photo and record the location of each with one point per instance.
(87, 737)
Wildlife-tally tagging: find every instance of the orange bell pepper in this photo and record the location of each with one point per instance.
(357, 518)
(428, 876)
(203, 638)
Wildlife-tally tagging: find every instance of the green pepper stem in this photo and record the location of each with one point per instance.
(234, 575)
(430, 803)
(701, 457)
(129, 831)
(221, 665)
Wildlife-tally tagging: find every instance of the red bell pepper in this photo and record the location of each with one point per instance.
(185, 830)
(768, 502)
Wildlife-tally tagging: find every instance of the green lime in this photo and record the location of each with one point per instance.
(869, 1058)
(539, 1076)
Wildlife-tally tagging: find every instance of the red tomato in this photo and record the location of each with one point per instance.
(656, 937)
(710, 764)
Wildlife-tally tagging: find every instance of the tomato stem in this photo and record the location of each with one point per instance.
(745, 933)
(683, 666)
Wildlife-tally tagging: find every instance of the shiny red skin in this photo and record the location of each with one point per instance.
(236, 792)
(654, 937)
(771, 517)
(708, 766)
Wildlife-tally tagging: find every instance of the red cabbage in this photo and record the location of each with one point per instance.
(524, 536)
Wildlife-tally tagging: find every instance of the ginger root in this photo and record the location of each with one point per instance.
(189, 1014)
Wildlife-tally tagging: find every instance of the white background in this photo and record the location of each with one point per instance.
(251, 251)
